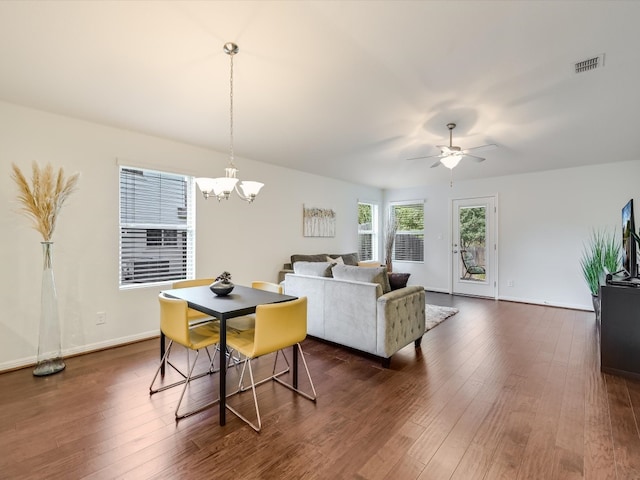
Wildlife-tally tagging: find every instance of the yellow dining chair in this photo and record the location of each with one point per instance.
(268, 286)
(195, 316)
(247, 322)
(277, 326)
(174, 324)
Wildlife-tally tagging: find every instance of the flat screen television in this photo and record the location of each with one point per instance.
(629, 262)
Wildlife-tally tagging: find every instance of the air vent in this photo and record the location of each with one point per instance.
(589, 64)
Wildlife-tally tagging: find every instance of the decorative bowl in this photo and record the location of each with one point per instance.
(221, 288)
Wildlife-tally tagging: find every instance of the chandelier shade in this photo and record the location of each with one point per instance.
(251, 189)
(222, 187)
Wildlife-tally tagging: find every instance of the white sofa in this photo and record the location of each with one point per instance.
(358, 315)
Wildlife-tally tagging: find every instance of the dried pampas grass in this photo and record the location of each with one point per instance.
(42, 200)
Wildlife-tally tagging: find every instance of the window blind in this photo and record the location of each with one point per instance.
(157, 225)
(409, 241)
(367, 231)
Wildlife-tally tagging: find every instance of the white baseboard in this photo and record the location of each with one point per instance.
(71, 351)
(437, 290)
(570, 306)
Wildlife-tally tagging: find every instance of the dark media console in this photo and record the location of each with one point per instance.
(620, 328)
(620, 308)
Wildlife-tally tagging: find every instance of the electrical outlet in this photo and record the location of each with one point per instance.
(101, 318)
(510, 283)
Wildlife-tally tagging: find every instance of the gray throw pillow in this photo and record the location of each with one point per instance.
(315, 269)
(362, 274)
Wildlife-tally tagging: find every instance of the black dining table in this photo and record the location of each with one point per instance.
(241, 301)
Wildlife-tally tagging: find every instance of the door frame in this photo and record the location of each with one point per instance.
(494, 257)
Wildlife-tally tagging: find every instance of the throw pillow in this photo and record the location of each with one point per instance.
(398, 280)
(348, 258)
(337, 260)
(369, 263)
(358, 274)
(315, 269)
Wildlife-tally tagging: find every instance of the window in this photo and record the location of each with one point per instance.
(156, 227)
(409, 242)
(367, 231)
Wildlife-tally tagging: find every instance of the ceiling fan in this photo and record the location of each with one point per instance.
(450, 155)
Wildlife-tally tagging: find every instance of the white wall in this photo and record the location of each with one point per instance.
(543, 220)
(250, 241)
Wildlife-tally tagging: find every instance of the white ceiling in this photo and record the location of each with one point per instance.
(345, 89)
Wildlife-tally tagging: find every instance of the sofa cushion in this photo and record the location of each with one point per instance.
(370, 275)
(315, 269)
(347, 258)
(320, 257)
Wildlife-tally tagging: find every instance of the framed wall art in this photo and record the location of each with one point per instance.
(318, 222)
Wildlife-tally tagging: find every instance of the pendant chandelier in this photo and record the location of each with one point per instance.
(222, 187)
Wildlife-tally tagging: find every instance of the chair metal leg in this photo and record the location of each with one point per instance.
(167, 362)
(212, 359)
(275, 363)
(255, 400)
(242, 388)
(291, 387)
(184, 389)
(186, 383)
(161, 369)
(276, 378)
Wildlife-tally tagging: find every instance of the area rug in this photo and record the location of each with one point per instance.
(436, 314)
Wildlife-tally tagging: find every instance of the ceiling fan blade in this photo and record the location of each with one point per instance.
(422, 158)
(438, 163)
(481, 148)
(477, 159)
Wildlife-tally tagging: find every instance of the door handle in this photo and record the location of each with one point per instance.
(455, 251)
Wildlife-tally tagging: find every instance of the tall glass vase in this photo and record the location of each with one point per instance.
(49, 343)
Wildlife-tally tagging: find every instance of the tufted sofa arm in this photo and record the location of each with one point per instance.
(401, 318)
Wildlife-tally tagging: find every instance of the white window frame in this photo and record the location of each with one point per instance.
(419, 258)
(374, 231)
(155, 257)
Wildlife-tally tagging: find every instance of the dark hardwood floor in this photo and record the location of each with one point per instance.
(500, 390)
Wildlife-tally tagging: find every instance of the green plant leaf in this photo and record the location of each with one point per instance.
(601, 255)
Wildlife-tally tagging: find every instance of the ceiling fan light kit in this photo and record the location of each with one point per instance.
(450, 155)
(451, 161)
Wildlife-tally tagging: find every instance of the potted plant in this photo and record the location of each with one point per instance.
(601, 255)
(389, 239)
(396, 280)
(222, 286)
